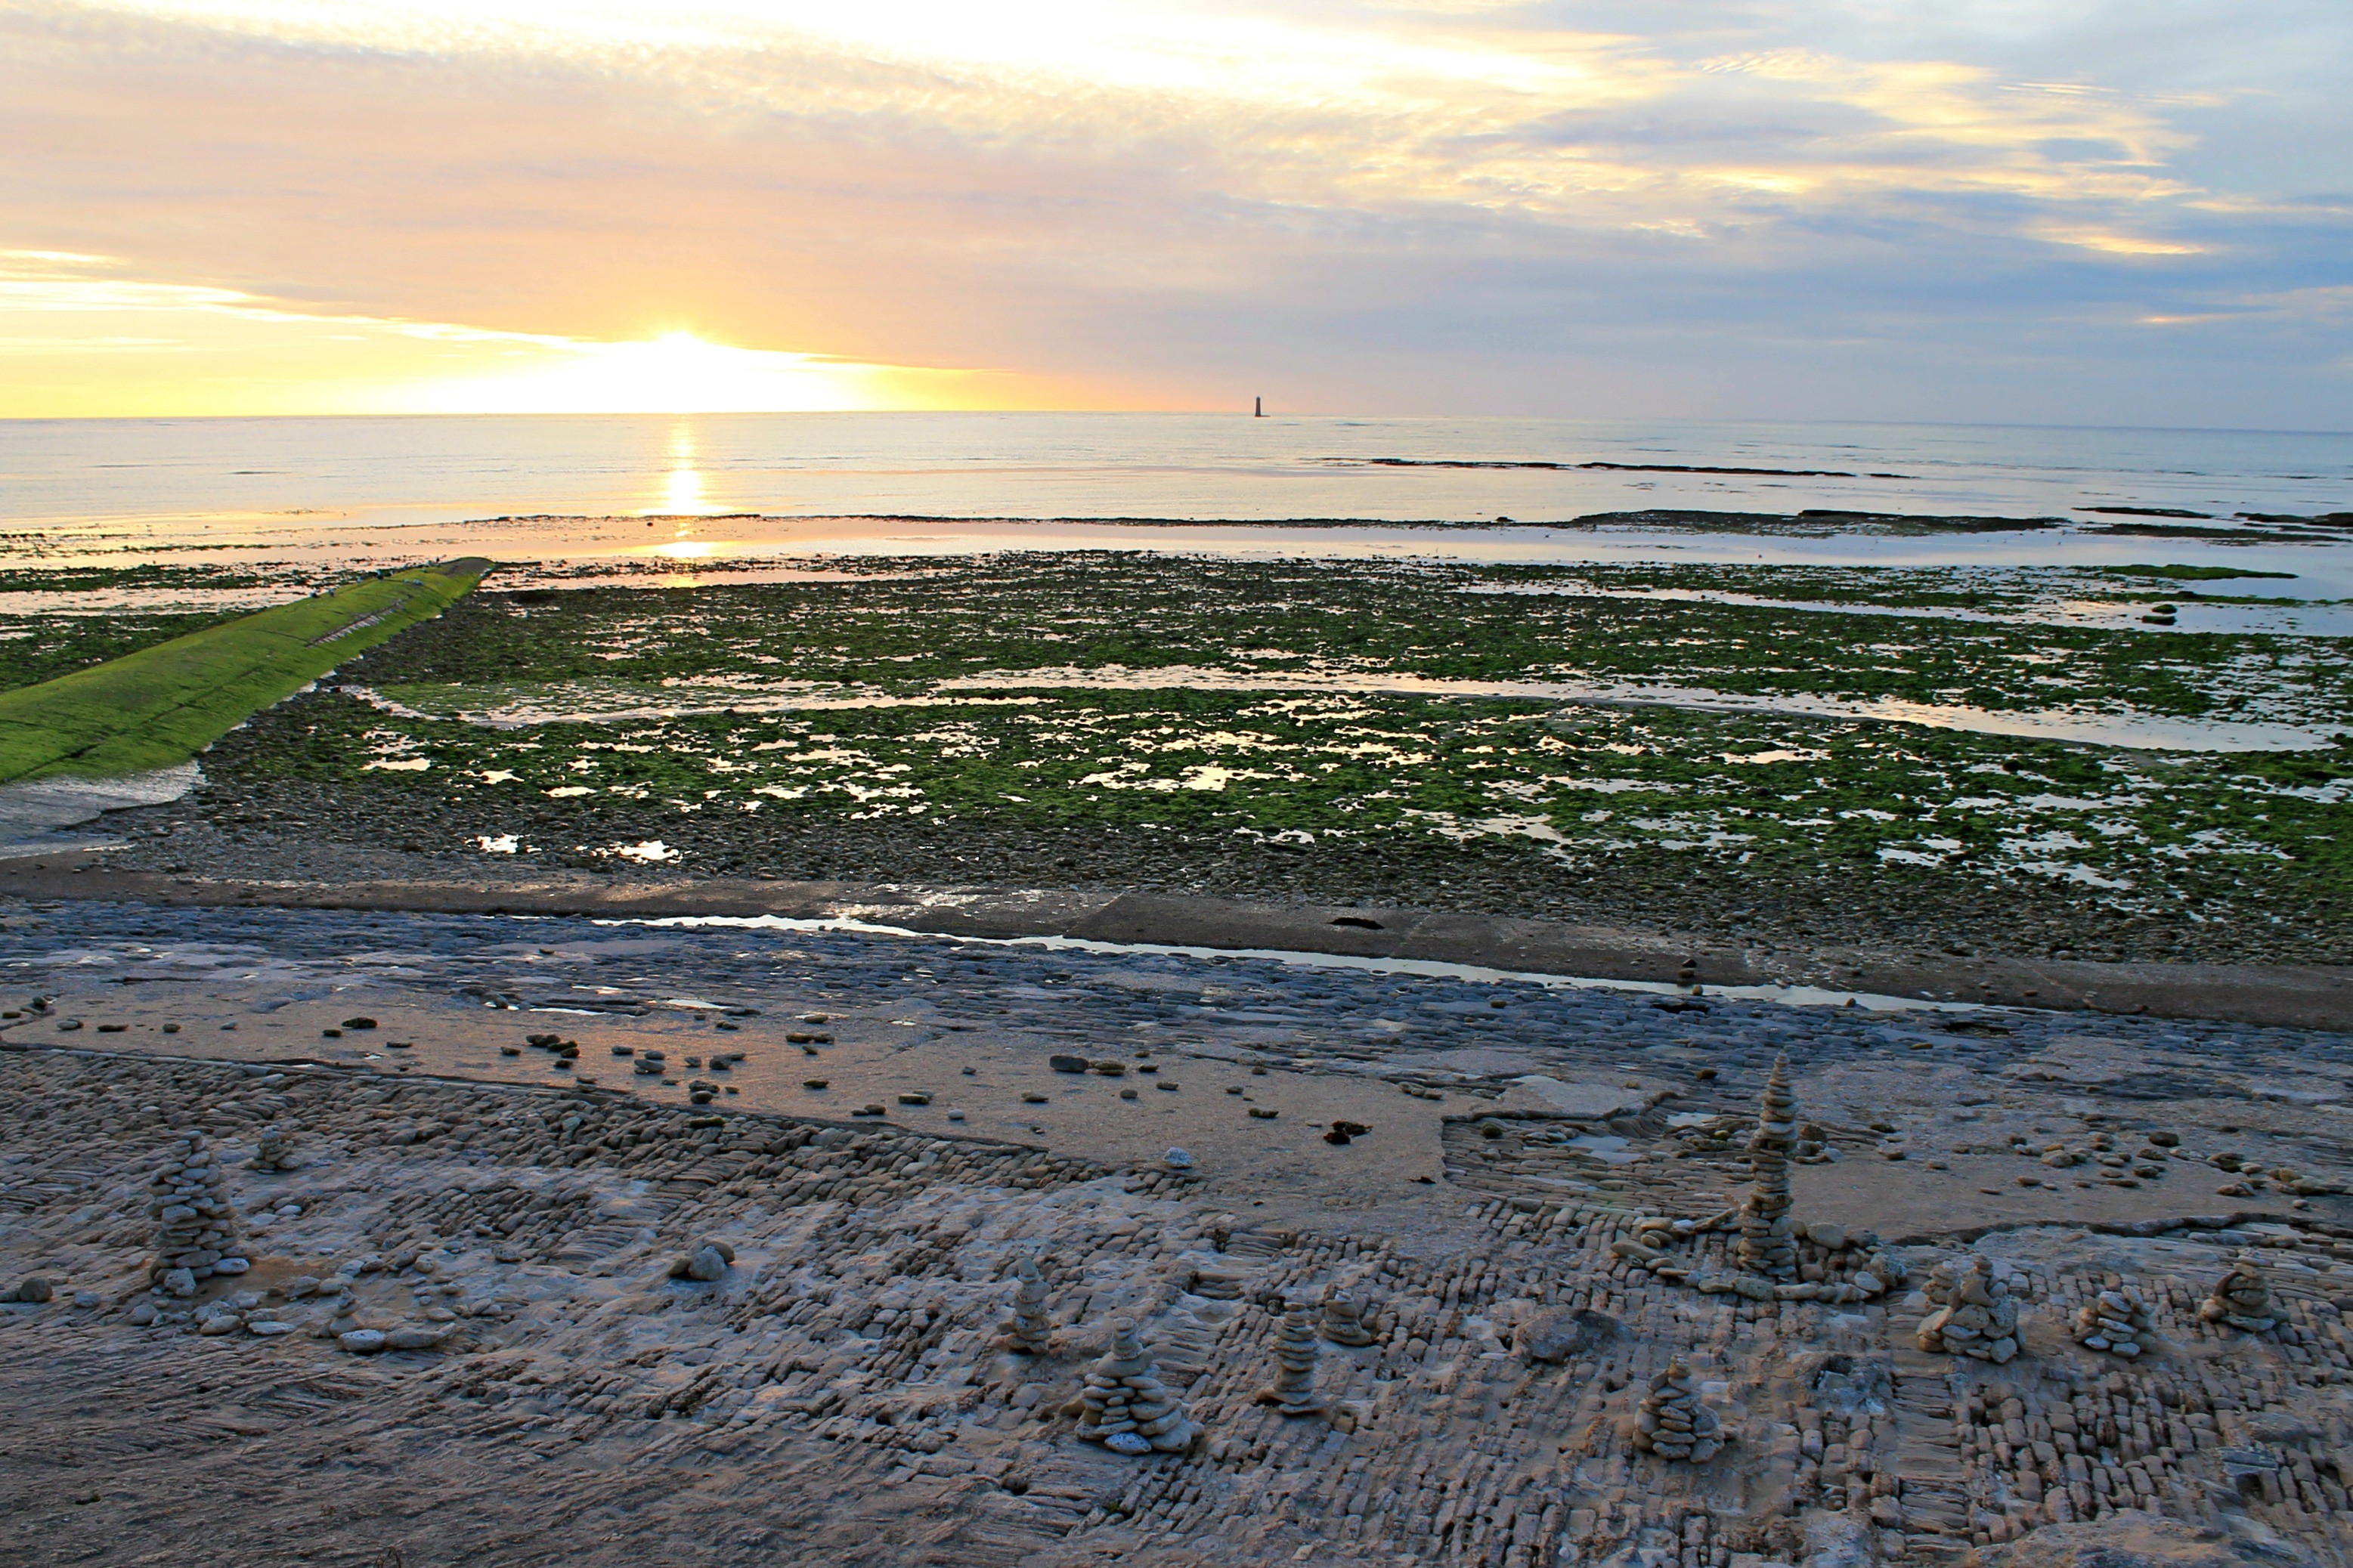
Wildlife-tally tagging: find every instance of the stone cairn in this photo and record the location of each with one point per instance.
(1292, 1392)
(1674, 1422)
(1974, 1314)
(2242, 1298)
(1029, 1330)
(1768, 1244)
(196, 1226)
(274, 1150)
(1775, 1257)
(2117, 1321)
(1344, 1317)
(1126, 1409)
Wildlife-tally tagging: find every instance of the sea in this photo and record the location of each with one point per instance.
(676, 490)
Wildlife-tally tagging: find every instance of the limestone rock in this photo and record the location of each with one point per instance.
(1559, 1337)
(2131, 1538)
(705, 1262)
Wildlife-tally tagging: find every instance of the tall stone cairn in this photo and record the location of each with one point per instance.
(1125, 1407)
(1768, 1242)
(2242, 1298)
(1292, 1392)
(1028, 1330)
(1674, 1422)
(195, 1225)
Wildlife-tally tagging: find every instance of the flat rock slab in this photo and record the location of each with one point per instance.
(1583, 1099)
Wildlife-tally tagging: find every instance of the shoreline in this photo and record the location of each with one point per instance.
(2291, 996)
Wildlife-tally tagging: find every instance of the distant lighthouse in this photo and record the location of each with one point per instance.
(1258, 408)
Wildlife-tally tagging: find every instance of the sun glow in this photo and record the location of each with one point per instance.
(81, 337)
(678, 372)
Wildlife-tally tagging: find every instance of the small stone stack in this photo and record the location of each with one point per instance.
(196, 1226)
(1292, 1392)
(1974, 1317)
(274, 1150)
(1768, 1243)
(1029, 1330)
(1672, 1421)
(2117, 1321)
(2242, 1298)
(1126, 1409)
(1344, 1318)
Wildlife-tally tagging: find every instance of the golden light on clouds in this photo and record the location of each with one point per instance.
(81, 340)
(609, 205)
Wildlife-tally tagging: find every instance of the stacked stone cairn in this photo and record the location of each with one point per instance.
(196, 1226)
(1292, 1392)
(1029, 1330)
(1671, 1421)
(274, 1150)
(1344, 1317)
(1974, 1315)
(1125, 1407)
(2117, 1321)
(2242, 1298)
(1768, 1243)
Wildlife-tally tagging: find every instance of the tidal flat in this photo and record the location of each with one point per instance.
(1886, 756)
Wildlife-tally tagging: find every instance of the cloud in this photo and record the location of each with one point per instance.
(1147, 203)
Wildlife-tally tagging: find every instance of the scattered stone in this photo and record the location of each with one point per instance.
(705, 1262)
(1177, 1159)
(33, 1291)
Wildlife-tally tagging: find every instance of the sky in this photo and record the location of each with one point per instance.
(2076, 212)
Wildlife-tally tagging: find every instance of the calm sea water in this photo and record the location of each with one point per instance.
(407, 486)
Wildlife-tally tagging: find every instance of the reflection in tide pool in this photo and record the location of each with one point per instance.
(519, 707)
